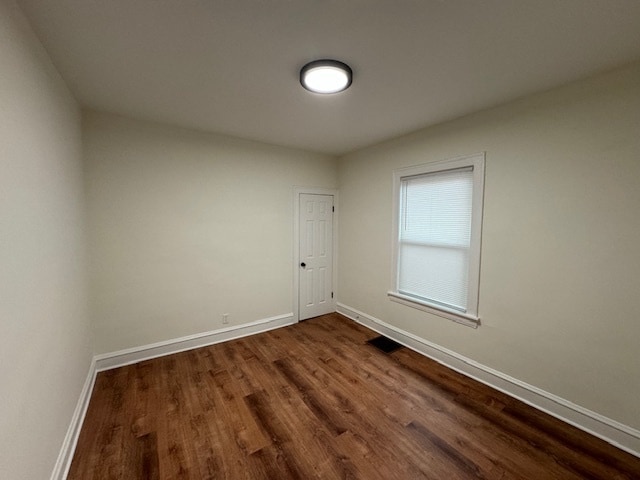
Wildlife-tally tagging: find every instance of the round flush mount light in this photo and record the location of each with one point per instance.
(326, 76)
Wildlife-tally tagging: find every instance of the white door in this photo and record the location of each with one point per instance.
(316, 255)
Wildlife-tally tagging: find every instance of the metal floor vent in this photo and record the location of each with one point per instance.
(384, 344)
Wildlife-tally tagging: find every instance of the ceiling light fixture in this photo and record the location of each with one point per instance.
(326, 76)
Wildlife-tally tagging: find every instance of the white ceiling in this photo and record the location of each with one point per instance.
(231, 66)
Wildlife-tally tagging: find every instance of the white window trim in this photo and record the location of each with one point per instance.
(470, 317)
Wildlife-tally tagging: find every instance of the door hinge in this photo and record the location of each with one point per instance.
(333, 209)
(331, 294)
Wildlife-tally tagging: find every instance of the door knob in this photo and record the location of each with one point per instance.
(303, 264)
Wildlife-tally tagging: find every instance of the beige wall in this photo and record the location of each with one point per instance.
(560, 276)
(186, 226)
(45, 349)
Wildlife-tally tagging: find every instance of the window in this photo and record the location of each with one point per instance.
(438, 222)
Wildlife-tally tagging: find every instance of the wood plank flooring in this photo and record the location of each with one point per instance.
(315, 401)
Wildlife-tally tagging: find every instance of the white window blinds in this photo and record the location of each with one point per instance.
(435, 237)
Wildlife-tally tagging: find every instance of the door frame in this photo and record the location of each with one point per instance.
(297, 191)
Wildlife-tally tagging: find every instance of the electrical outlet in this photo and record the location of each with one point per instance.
(225, 318)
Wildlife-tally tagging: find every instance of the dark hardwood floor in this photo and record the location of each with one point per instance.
(315, 401)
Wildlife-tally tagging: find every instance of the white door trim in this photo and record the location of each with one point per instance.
(297, 191)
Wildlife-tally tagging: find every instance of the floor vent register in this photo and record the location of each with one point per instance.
(384, 344)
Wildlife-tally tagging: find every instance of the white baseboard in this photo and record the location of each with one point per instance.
(61, 468)
(621, 436)
(129, 356)
(107, 361)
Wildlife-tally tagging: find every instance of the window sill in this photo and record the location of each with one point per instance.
(458, 317)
